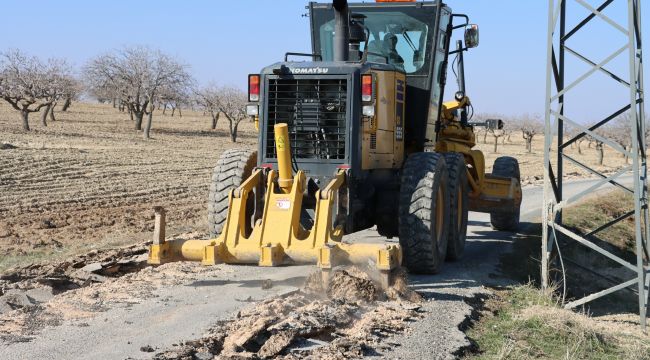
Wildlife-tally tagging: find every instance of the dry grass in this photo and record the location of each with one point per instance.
(596, 211)
(89, 180)
(525, 323)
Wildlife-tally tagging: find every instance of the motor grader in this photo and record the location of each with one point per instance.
(358, 137)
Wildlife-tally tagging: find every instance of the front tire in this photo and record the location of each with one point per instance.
(507, 167)
(423, 212)
(234, 166)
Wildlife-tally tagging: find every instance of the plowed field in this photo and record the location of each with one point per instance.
(88, 180)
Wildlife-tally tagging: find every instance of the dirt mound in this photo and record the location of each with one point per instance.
(349, 322)
(344, 285)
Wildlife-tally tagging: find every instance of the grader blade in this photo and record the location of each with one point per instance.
(278, 237)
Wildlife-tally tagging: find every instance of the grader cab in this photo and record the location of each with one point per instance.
(357, 137)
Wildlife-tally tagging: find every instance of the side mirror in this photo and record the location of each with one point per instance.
(494, 124)
(471, 36)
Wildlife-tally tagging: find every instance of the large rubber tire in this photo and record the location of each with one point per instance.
(458, 205)
(234, 166)
(507, 220)
(423, 212)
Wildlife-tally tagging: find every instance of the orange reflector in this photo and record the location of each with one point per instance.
(366, 88)
(253, 87)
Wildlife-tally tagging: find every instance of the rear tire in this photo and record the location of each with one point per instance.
(234, 166)
(507, 167)
(458, 205)
(423, 212)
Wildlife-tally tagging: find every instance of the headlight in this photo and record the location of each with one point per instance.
(368, 110)
(252, 110)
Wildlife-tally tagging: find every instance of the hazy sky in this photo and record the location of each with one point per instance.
(223, 41)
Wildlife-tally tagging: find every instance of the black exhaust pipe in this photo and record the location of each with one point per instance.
(341, 30)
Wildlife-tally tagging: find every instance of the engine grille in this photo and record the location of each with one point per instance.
(315, 110)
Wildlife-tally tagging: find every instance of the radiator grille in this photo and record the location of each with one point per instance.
(315, 110)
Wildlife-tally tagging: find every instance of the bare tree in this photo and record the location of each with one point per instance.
(530, 126)
(71, 93)
(496, 134)
(620, 130)
(61, 82)
(137, 75)
(206, 98)
(579, 144)
(600, 150)
(174, 98)
(27, 83)
(232, 104)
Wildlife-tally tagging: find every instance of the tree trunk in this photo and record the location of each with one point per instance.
(66, 104)
(233, 131)
(44, 113)
(496, 143)
(529, 144)
(601, 153)
(173, 111)
(131, 114)
(147, 128)
(138, 119)
(215, 118)
(164, 109)
(114, 103)
(579, 148)
(24, 116)
(485, 137)
(180, 114)
(52, 118)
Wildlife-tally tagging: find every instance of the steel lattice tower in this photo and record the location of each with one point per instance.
(556, 123)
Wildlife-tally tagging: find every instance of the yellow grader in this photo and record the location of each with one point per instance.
(357, 137)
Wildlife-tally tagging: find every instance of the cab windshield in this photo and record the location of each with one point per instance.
(397, 36)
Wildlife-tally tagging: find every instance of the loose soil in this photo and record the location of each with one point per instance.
(350, 318)
(36, 296)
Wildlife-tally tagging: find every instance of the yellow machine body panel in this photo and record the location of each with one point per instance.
(488, 193)
(383, 134)
(278, 237)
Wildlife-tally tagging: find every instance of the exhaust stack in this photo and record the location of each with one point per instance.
(341, 30)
